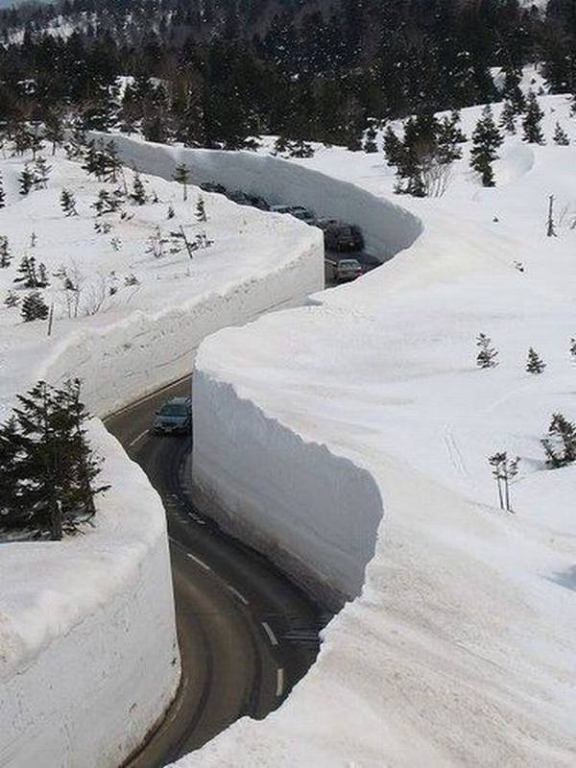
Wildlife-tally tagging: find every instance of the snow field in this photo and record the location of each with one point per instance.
(88, 653)
(460, 650)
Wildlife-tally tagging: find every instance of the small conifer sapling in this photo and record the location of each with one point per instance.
(486, 357)
(534, 364)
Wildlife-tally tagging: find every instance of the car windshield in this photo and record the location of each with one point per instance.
(349, 265)
(174, 410)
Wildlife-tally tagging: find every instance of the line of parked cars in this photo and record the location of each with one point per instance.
(338, 235)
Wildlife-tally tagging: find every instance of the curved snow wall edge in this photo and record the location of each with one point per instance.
(90, 659)
(313, 513)
(387, 227)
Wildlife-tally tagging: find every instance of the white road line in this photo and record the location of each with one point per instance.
(271, 635)
(237, 594)
(201, 563)
(137, 439)
(279, 681)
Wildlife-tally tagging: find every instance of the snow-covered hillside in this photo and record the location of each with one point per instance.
(460, 649)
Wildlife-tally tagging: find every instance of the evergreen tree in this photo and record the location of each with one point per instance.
(26, 180)
(182, 176)
(27, 273)
(507, 117)
(534, 364)
(370, 145)
(170, 214)
(486, 139)
(486, 357)
(54, 129)
(512, 91)
(68, 203)
(50, 466)
(531, 122)
(138, 191)
(201, 210)
(560, 136)
(2, 193)
(41, 173)
(560, 445)
(393, 147)
(111, 163)
(573, 349)
(34, 307)
(5, 255)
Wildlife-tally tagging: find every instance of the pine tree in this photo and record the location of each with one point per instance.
(560, 445)
(393, 147)
(573, 349)
(182, 176)
(486, 139)
(112, 165)
(5, 255)
(138, 191)
(27, 272)
(507, 117)
(171, 213)
(531, 122)
(54, 130)
(41, 173)
(34, 307)
(68, 203)
(2, 193)
(486, 357)
(47, 460)
(201, 210)
(370, 145)
(534, 364)
(26, 180)
(560, 136)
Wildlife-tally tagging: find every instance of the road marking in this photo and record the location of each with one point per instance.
(271, 635)
(237, 594)
(279, 681)
(137, 439)
(201, 563)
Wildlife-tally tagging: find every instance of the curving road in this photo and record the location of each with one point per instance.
(246, 633)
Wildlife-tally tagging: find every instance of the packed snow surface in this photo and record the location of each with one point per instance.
(461, 648)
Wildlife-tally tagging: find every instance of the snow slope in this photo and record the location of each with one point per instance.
(460, 649)
(88, 654)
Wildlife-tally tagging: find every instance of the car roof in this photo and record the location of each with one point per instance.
(178, 401)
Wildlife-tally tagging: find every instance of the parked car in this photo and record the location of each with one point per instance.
(303, 214)
(174, 417)
(280, 208)
(239, 197)
(348, 269)
(258, 202)
(339, 236)
(210, 186)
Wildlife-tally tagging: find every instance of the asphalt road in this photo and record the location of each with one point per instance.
(246, 633)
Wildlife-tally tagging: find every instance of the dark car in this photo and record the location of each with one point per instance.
(210, 186)
(339, 236)
(174, 418)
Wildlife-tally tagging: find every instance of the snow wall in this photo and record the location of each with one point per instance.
(387, 228)
(88, 654)
(313, 513)
(89, 660)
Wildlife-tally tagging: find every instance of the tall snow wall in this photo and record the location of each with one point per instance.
(312, 512)
(88, 654)
(89, 659)
(387, 228)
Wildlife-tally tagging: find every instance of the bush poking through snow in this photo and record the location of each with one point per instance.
(486, 357)
(201, 210)
(560, 445)
(534, 363)
(560, 136)
(11, 300)
(504, 470)
(2, 193)
(34, 307)
(573, 349)
(47, 468)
